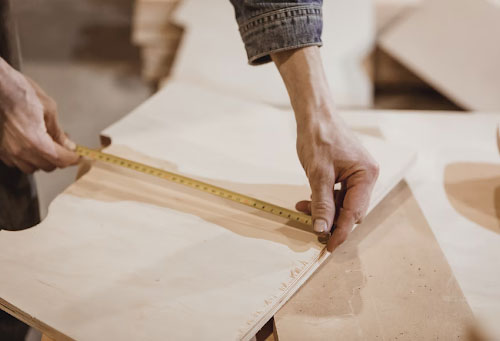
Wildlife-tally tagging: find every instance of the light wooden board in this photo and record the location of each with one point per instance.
(454, 150)
(387, 12)
(389, 281)
(212, 53)
(152, 15)
(124, 256)
(452, 45)
(455, 182)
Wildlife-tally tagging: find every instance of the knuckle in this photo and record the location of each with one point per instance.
(51, 105)
(341, 235)
(17, 151)
(358, 216)
(321, 206)
(319, 174)
(373, 169)
(56, 160)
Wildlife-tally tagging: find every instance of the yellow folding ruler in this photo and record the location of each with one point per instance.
(196, 184)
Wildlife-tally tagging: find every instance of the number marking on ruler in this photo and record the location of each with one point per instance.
(196, 184)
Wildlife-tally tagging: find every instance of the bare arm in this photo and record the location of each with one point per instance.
(327, 149)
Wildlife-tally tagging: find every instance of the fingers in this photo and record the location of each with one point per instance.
(345, 223)
(304, 206)
(24, 166)
(45, 154)
(32, 136)
(56, 154)
(53, 127)
(354, 206)
(7, 160)
(66, 157)
(40, 163)
(322, 203)
(52, 124)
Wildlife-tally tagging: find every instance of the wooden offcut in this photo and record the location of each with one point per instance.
(453, 46)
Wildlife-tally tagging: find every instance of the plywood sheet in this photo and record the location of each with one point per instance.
(389, 281)
(124, 256)
(387, 12)
(455, 183)
(452, 45)
(455, 149)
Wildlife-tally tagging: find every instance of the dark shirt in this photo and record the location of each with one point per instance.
(18, 196)
(8, 36)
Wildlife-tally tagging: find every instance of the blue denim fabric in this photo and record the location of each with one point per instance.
(277, 25)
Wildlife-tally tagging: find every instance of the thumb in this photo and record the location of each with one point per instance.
(53, 127)
(322, 202)
(56, 132)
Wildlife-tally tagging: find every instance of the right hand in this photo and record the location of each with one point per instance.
(330, 154)
(327, 149)
(30, 135)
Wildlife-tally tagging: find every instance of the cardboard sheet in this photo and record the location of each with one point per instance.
(129, 257)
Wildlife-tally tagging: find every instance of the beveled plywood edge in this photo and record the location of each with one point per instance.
(33, 322)
(322, 257)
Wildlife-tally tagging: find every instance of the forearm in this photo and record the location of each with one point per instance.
(303, 74)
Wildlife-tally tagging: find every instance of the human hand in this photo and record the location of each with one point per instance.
(31, 137)
(327, 149)
(330, 154)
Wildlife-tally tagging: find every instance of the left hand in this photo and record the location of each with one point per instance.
(30, 135)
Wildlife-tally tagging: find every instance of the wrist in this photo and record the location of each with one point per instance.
(305, 80)
(316, 120)
(12, 87)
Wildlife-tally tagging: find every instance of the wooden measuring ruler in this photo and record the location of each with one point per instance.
(196, 184)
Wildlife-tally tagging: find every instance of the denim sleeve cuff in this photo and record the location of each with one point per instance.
(280, 30)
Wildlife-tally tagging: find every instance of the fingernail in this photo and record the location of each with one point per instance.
(69, 144)
(320, 226)
(324, 237)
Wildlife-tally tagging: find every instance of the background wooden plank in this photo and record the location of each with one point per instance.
(452, 45)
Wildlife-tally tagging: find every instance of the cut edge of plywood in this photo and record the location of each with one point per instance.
(33, 322)
(290, 292)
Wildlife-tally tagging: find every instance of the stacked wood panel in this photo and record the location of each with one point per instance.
(158, 37)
